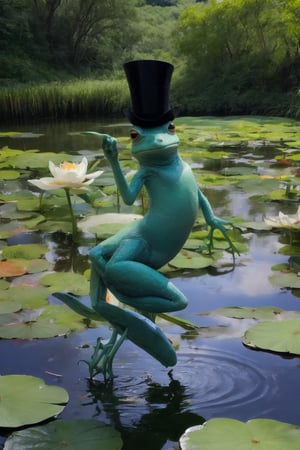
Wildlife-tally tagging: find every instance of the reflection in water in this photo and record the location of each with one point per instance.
(150, 414)
(166, 419)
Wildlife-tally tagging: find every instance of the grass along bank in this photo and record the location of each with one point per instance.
(79, 98)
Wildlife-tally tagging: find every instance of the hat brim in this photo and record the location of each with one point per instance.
(151, 122)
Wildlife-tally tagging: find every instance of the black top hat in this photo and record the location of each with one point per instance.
(149, 82)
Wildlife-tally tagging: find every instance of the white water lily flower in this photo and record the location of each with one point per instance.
(67, 175)
(285, 221)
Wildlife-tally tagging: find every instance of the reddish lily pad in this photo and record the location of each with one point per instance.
(13, 267)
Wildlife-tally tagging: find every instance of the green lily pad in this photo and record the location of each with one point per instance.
(9, 307)
(9, 174)
(29, 297)
(25, 251)
(259, 185)
(63, 315)
(38, 329)
(74, 283)
(105, 225)
(66, 434)
(282, 336)
(191, 260)
(26, 400)
(258, 226)
(290, 279)
(259, 313)
(25, 160)
(229, 434)
(4, 285)
(10, 133)
(278, 194)
(289, 250)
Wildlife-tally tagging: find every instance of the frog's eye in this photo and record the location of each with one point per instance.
(171, 127)
(134, 135)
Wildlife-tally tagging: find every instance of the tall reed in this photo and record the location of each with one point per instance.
(81, 98)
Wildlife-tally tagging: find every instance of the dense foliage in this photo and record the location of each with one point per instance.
(231, 56)
(242, 56)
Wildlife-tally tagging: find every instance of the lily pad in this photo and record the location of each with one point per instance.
(290, 279)
(26, 400)
(228, 434)
(63, 315)
(25, 160)
(74, 283)
(25, 251)
(38, 329)
(9, 307)
(13, 267)
(106, 225)
(282, 336)
(27, 296)
(10, 133)
(191, 260)
(260, 313)
(66, 434)
(11, 229)
(9, 174)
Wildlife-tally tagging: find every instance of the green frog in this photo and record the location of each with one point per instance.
(127, 263)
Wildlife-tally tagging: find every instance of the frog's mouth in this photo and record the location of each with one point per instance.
(156, 150)
(161, 155)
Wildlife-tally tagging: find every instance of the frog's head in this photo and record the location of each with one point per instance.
(157, 145)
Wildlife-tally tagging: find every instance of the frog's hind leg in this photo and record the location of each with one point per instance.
(137, 328)
(134, 283)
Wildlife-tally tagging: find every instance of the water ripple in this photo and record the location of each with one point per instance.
(215, 378)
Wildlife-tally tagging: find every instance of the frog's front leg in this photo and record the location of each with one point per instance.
(215, 223)
(128, 192)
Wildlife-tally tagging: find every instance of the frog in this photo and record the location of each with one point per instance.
(127, 264)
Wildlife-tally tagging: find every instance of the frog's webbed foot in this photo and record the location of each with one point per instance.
(102, 358)
(219, 224)
(76, 305)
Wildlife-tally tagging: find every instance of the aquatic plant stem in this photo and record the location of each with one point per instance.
(73, 218)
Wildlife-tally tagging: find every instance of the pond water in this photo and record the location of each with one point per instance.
(216, 374)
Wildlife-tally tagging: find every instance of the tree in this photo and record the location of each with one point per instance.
(235, 50)
(85, 33)
(15, 39)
